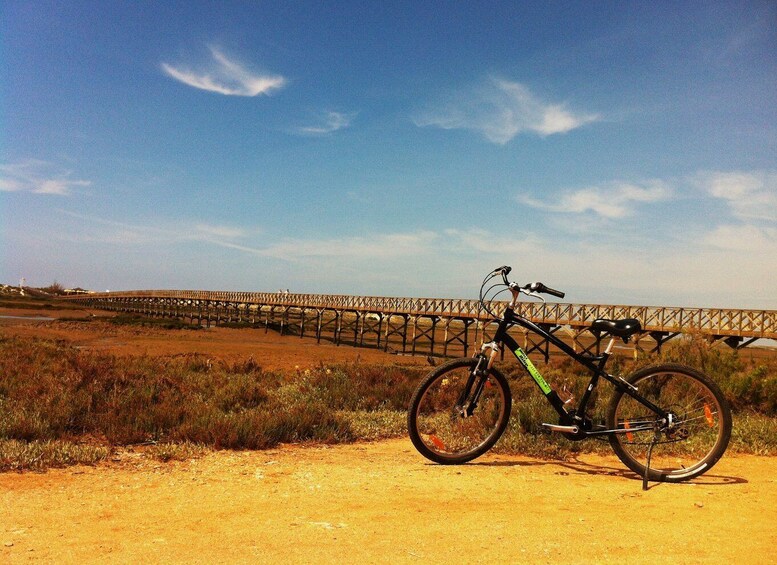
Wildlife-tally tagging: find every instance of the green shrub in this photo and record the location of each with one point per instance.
(54, 288)
(747, 384)
(52, 391)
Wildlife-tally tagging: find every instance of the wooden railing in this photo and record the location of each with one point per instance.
(432, 325)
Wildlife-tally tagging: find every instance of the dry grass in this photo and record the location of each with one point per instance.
(55, 399)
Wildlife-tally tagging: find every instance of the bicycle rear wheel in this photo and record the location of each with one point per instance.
(455, 415)
(690, 443)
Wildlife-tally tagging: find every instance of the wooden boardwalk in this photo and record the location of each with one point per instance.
(432, 326)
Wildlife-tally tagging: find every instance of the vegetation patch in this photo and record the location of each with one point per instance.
(749, 385)
(26, 305)
(54, 398)
(38, 455)
(239, 325)
(149, 322)
(180, 451)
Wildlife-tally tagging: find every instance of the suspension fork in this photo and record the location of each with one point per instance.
(480, 372)
(468, 400)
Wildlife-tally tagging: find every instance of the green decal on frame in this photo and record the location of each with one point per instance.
(535, 374)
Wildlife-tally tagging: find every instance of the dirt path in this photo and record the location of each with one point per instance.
(382, 503)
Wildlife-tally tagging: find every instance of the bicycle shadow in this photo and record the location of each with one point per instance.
(577, 466)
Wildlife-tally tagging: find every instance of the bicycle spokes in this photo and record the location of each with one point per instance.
(666, 422)
(681, 442)
(459, 411)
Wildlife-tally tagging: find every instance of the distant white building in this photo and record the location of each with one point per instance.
(77, 291)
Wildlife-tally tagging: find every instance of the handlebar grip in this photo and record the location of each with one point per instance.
(504, 270)
(539, 287)
(556, 293)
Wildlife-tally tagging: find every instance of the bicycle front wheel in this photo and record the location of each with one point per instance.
(456, 415)
(684, 445)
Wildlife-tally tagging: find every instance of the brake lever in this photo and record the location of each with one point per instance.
(532, 293)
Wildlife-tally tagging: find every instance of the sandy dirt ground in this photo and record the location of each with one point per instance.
(382, 503)
(367, 502)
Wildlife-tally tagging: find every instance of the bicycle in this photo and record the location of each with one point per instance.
(665, 422)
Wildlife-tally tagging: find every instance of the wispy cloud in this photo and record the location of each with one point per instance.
(225, 76)
(39, 177)
(329, 122)
(500, 110)
(752, 195)
(730, 266)
(101, 230)
(616, 200)
(375, 246)
(378, 246)
(752, 239)
(230, 232)
(752, 200)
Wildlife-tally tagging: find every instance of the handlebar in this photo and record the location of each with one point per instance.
(504, 270)
(535, 287)
(539, 287)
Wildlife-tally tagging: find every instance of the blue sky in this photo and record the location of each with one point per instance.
(623, 152)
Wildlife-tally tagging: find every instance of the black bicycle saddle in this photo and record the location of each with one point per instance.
(621, 328)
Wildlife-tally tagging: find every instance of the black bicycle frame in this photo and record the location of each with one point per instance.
(594, 363)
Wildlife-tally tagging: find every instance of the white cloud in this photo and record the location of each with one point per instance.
(229, 232)
(751, 195)
(10, 185)
(500, 110)
(731, 267)
(375, 246)
(752, 200)
(748, 238)
(598, 272)
(482, 241)
(616, 200)
(39, 177)
(330, 122)
(225, 76)
(100, 230)
(380, 246)
(60, 187)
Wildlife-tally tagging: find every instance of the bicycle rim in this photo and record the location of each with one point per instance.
(699, 433)
(444, 432)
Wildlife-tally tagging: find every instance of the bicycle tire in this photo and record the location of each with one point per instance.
(436, 425)
(700, 434)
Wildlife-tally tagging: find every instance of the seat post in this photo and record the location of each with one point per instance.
(607, 353)
(582, 406)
